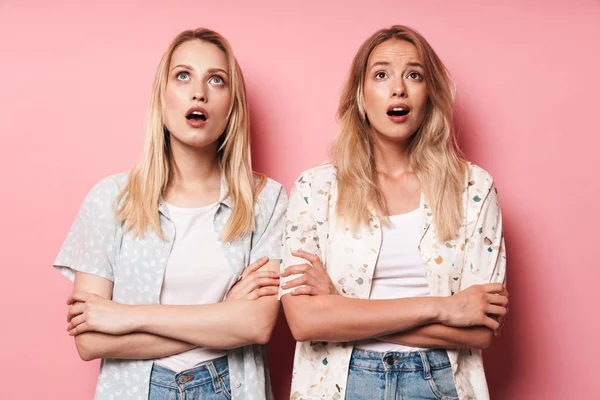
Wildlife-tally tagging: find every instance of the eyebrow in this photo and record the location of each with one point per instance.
(210, 71)
(387, 63)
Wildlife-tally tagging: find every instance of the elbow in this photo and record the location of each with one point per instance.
(263, 329)
(484, 339)
(85, 348)
(263, 332)
(299, 330)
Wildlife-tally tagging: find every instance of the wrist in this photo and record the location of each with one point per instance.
(136, 320)
(438, 310)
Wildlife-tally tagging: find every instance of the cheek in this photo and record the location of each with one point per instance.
(374, 97)
(222, 102)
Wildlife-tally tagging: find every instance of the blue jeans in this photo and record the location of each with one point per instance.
(394, 376)
(209, 381)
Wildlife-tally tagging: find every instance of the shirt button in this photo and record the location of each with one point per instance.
(426, 257)
(227, 244)
(238, 384)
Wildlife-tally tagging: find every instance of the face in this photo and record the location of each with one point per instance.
(395, 91)
(198, 95)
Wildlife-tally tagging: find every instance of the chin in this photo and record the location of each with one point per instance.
(197, 139)
(396, 136)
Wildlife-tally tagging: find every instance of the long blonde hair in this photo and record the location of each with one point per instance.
(138, 202)
(433, 151)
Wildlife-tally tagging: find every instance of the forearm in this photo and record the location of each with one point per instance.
(338, 318)
(224, 325)
(441, 336)
(140, 346)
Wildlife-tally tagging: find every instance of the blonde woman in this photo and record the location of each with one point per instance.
(394, 256)
(154, 253)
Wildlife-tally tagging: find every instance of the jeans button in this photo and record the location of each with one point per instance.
(389, 360)
(182, 379)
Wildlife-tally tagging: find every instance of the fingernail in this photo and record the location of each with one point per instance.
(284, 284)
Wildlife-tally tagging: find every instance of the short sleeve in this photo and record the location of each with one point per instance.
(266, 239)
(90, 244)
(485, 253)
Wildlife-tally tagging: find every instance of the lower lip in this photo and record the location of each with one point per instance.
(398, 119)
(196, 123)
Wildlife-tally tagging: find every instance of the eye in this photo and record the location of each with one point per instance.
(416, 76)
(182, 75)
(381, 75)
(217, 80)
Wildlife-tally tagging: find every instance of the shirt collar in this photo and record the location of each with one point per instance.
(226, 201)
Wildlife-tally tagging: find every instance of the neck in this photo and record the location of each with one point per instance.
(194, 167)
(391, 157)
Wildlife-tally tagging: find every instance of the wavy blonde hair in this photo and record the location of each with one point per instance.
(433, 151)
(138, 202)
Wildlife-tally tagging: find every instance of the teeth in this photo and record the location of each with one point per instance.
(398, 109)
(196, 113)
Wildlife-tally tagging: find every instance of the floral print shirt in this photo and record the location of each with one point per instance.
(475, 256)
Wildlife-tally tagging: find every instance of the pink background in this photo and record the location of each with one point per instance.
(75, 81)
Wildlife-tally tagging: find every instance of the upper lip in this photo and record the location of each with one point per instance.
(200, 109)
(399, 105)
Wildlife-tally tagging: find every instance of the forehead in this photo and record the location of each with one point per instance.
(200, 55)
(394, 51)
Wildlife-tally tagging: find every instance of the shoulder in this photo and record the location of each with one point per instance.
(319, 176)
(481, 187)
(104, 193)
(479, 178)
(271, 195)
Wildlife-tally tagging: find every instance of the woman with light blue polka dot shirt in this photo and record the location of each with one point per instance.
(175, 264)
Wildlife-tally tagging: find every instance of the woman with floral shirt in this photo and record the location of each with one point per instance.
(394, 262)
(154, 253)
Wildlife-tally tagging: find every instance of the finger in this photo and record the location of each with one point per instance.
(495, 310)
(79, 329)
(75, 310)
(301, 280)
(491, 323)
(264, 291)
(255, 266)
(264, 274)
(296, 270)
(75, 321)
(497, 300)
(493, 287)
(78, 296)
(249, 282)
(306, 290)
(312, 258)
(266, 282)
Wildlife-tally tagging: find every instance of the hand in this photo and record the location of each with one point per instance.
(314, 277)
(254, 284)
(90, 312)
(476, 305)
(501, 321)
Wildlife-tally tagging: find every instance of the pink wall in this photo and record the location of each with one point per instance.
(74, 83)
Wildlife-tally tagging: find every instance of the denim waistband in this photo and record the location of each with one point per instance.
(399, 361)
(210, 371)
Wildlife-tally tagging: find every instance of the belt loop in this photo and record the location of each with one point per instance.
(426, 366)
(214, 375)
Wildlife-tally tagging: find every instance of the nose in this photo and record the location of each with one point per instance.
(199, 94)
(398, 89)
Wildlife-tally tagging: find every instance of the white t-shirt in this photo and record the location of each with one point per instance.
(197, 273)
(399, 272)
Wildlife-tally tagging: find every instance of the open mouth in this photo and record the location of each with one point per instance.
(398, 111)
(196, 116)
